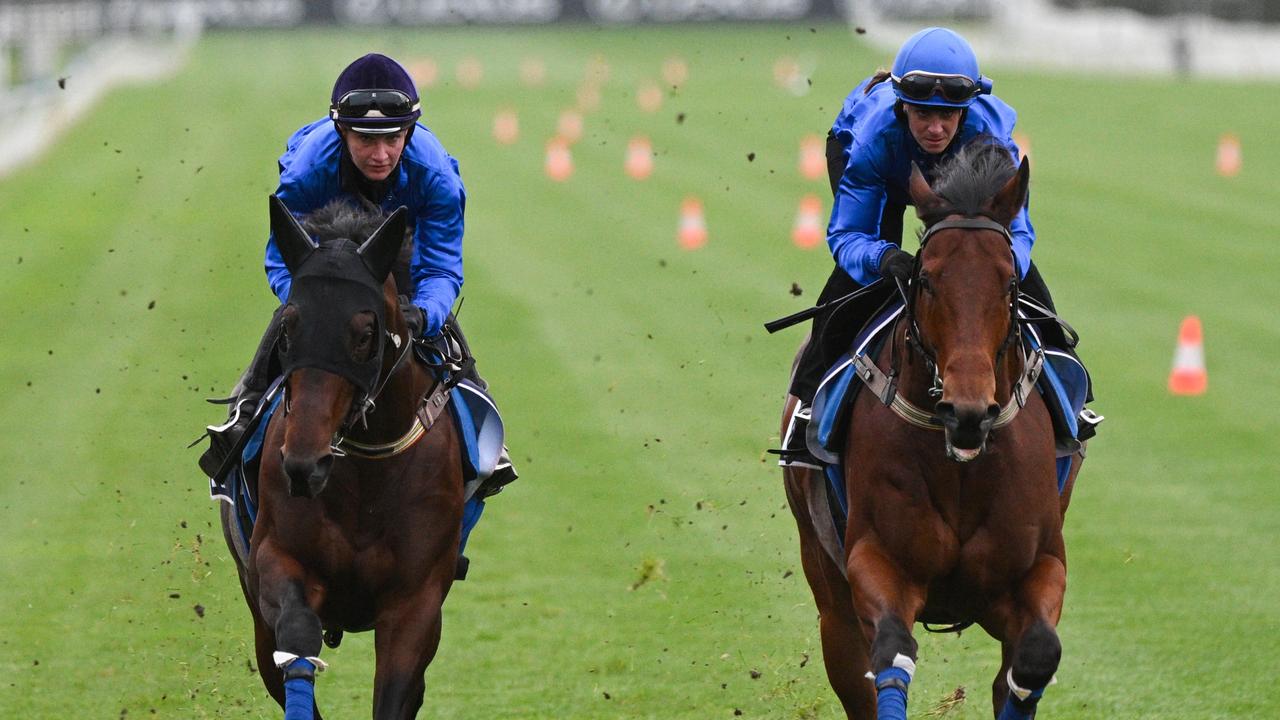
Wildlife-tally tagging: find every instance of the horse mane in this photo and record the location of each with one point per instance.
(342, 219)
(971, 177)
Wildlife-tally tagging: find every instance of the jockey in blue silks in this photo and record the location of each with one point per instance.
(372, 151)
(928, 106)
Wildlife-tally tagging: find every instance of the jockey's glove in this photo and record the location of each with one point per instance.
(414, 316)
(897, 263)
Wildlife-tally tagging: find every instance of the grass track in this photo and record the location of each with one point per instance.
(637, 384)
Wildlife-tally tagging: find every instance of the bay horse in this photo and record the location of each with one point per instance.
(360, 493)
(955, 513)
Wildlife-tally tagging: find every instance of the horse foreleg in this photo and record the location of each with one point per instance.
(845, 652)
(295, 628)
(406, 637)
(1029, 644)
(887, 603)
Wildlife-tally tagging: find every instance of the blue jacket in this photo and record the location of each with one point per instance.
(879, 150)
(426, 181)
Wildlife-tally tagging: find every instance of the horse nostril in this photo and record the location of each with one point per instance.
(945, 409)
(993, 410)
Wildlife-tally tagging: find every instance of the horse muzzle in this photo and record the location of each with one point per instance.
(307, 476)
(966, 428)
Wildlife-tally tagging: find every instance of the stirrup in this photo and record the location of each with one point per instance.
(504, 473)
(222, 438)
(795, 450)
(1088, 422)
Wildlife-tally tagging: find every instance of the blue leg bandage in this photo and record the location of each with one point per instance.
(1021, 703)
(299, 690)
(891, 693)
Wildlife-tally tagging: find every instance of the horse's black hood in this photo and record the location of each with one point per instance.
(336, 287)
(331, 287)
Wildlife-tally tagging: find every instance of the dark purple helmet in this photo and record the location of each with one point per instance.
(375, 95)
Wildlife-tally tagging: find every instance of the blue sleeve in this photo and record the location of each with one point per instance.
(436, 269)
(854, 231)
(1024, 235)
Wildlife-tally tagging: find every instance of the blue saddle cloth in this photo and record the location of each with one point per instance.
(1063, 383)
(480, 433)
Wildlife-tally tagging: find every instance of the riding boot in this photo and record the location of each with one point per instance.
(243, 401)
(504, 473)
(820, 350)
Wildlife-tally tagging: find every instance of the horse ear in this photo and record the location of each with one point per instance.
(1008, 202)
(293, 242)
(921, 194)
(382, 248)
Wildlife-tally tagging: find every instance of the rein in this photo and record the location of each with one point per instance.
(885, 386)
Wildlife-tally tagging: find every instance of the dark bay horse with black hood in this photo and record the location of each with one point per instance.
(360, 491)
(954, 507)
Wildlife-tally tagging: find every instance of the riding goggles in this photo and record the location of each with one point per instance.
(921, 86)
(361, 103)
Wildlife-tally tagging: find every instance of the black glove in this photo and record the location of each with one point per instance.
(414, 317)
(897, 264)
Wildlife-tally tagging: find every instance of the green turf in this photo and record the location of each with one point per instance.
(638, 387)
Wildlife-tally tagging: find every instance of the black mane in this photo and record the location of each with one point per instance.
(971, 177)
(341, 219)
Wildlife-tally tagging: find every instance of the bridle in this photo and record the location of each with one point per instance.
(885, 386)
(914, 335)
(366, 403)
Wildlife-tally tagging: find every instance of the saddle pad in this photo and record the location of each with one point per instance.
(840, 386)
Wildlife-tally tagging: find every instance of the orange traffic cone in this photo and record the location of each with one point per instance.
(506, 127)
(675, 71)
(693, 225)
(559, 164)
(813, 160)
(1189, 376)
(1024, 144)
(569, 126)
(639, 158)
(808, 231)
(424, 72)
(533, 71)
(649, 97)
(1230, 159)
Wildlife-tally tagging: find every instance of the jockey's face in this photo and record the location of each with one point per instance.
(933, 127)
(375, 156)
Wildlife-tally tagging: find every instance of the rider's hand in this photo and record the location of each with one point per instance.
(414, 317)
(897, 263)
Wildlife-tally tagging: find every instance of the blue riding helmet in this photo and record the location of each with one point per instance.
(375, 95)
(937, 67)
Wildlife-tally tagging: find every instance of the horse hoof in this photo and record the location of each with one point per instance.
(332, 638)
